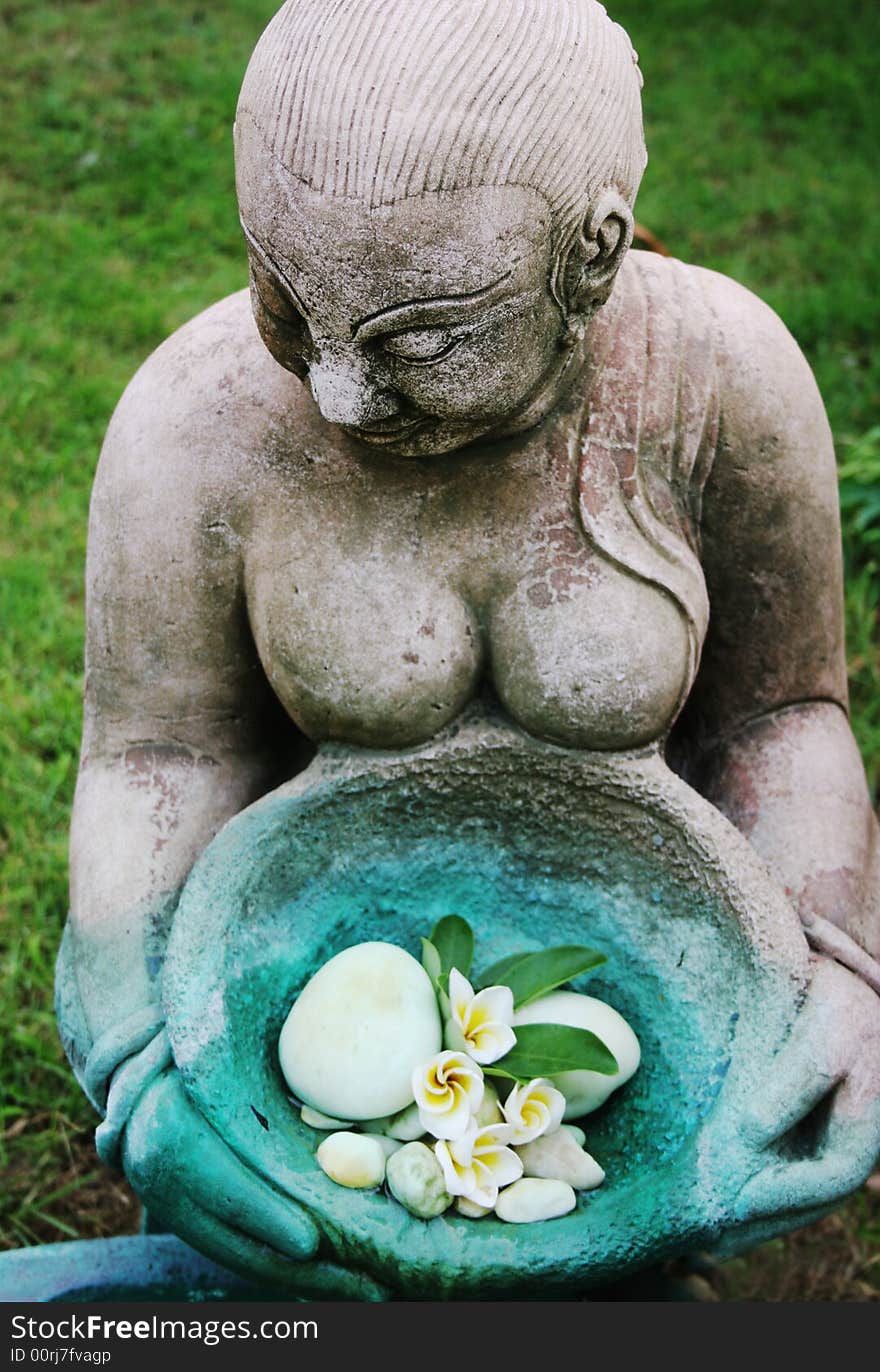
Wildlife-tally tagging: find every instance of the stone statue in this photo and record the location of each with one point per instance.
(460, 453)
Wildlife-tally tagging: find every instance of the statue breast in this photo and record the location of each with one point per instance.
(379, 613)
(604, 663)
(385, 657)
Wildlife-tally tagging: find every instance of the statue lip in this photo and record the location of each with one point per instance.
(388, 432)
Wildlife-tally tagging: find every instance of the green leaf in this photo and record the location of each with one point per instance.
(453, 939)
(431, 961)
(545, 1050)
(530, 975)
(497, 973)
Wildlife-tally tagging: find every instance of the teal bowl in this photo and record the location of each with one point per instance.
(535, 846)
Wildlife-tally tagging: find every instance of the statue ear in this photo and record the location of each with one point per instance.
(596, 253)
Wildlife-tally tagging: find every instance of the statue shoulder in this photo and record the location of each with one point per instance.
(755, 353)
(182, 454)
(198, 407)
(769, 528)
(736, 354)
(769, 400)
(166, 637)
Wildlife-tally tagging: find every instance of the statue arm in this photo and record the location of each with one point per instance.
(766, 733)
(180, 730)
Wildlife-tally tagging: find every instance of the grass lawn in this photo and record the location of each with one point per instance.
(120, 223)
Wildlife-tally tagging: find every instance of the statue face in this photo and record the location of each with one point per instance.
(419, 326)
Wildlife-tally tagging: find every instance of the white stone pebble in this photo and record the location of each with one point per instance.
(534, 1198)
(376, 1126)
(355, 1160)
(406, 1126)
(415, 1178)
(357, 1030)
(470, 1208)
(489, 1111)
(577, 1134)
(315, 1120)
(388, 1146)
(561, 1158)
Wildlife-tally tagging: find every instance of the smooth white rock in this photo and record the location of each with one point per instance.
(489, 1111)
(357, 1030)
(388, 1146)
(471, 1209)
(586, 1091)
(315, 1120)
(561, 1158)
(577, 1134)
(406, 1126)
(415, 1178)
(533, 1198)
(376, 1126)
(354, 1160)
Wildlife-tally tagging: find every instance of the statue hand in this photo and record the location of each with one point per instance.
(196, 1186)
(818, 1112)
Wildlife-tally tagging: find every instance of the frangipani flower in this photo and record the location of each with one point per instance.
(533, 1109)
(448, 1090)
(479, 1024)
(479, 1163)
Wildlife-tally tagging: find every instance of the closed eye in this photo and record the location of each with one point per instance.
(420, 347)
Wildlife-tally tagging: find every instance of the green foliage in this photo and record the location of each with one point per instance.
(431, 961)
(530, 975)
(762, 126)
(543, 1050)
(859, 474)
(860, 510)
(452, 941)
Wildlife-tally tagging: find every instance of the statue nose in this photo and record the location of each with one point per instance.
(348, 391)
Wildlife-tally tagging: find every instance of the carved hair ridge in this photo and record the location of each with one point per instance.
(386, 99)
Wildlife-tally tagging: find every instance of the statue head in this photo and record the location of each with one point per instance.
(436, 196)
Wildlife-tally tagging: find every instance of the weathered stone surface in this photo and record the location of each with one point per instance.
(451, 826)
